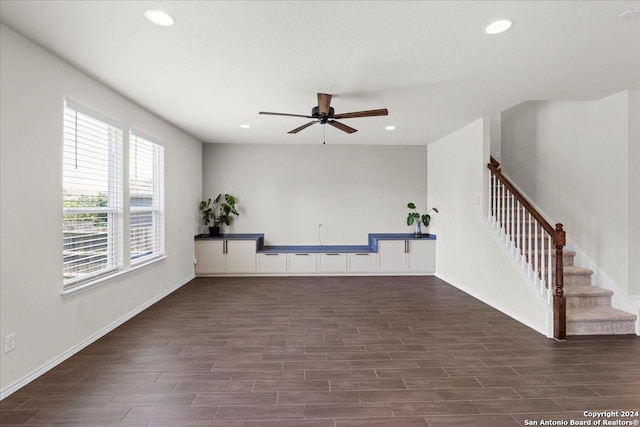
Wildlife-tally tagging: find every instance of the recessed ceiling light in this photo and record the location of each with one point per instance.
(245, 126)
(390, 127)
(498, 27)
(159, 17)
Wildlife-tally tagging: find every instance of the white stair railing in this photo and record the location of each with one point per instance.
(531, 240)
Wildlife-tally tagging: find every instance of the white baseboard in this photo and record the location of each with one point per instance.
(11, 388)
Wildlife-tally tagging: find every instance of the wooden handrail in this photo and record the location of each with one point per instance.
(558, 235)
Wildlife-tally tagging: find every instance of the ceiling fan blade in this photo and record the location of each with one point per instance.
(324, 103)
(342, 126)
(368, 113)
(284, 114)
(298, 129)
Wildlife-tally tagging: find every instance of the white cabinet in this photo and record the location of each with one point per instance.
(236, 255)
(392, 255)
(241, 256)
(301, 263)
(421, 256)
(225, 256)
(362, 263)
(210, 257)
(332, 263)
(416, 256)
(272, 263)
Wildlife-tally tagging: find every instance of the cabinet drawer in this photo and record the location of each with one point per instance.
(272, 263)
(363, 263)
(301, 263)
(332, 263)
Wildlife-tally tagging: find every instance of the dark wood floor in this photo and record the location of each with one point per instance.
(329, 352)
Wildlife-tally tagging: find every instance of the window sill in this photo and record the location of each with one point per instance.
(75, 290)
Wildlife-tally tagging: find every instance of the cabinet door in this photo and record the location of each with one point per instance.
(241, 256)
(422, 256)
(209, 257)
(332, 263)
(272, 263)
(392, 255)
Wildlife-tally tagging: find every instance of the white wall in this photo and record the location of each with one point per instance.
(467, 254)
(496, 135)
(634, 192)
(285, 191)
(34, 86)
(572, 159)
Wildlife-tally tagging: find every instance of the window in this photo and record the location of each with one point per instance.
(146, 199)
(94, 200)
(91, 196)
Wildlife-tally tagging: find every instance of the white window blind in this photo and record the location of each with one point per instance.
(146, 197)
(92, 196)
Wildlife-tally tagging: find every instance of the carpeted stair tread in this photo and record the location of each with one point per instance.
(586, 291)
(598, 314)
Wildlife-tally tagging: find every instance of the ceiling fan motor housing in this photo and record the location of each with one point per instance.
(315, 113)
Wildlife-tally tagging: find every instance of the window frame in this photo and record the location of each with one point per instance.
(157, 207)
(114, 209)
(118, 206)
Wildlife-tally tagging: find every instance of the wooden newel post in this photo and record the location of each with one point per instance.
(559, 300)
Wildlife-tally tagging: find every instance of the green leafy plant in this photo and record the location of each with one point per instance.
(413, 216)
(218, 211)
(86, 201)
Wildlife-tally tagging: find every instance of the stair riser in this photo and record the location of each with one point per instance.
(601, 328)
(575, 279)
(588, 301)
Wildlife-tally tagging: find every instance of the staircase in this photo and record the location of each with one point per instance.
(579, 308)
(589, 310)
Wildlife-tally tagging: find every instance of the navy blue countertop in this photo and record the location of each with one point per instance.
(310, 249)
(371, 248)
(233, 236)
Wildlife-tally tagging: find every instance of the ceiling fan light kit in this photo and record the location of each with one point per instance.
(324, 113)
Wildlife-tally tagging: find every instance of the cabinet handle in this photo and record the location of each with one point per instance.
(332, 254)
(406, 246)
(272, 254)
(362, 254)
(302, 254)
(224, 247)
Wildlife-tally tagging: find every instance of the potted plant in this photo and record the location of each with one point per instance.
(217, 212)
(415, 217)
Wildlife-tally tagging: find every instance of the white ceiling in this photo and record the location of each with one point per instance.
(429, 62)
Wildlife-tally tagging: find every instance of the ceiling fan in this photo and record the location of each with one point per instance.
(324, 114)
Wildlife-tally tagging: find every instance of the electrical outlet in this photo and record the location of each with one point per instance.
(9, 343)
